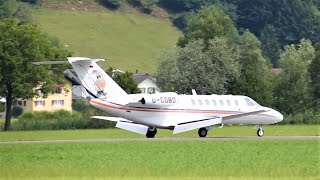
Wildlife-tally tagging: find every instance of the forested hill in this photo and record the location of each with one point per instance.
(144, 30)
(212, 46)
(275, 22)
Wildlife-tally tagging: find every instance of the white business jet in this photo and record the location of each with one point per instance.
(144, 114)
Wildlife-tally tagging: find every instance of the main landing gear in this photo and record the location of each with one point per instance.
(203, 132)
(260, 132)
(151, 133)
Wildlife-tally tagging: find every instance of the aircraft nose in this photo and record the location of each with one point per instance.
(278, 116)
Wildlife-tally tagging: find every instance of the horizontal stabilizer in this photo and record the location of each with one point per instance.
(137, 128)
(114, 119)
(195, 125)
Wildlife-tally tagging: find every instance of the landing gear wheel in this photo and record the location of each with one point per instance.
(202, 132)
(260, 132)
(151, 133)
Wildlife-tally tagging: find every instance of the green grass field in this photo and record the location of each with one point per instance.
(129, 41)
(277, 130)
(167, 160)
(245, 159)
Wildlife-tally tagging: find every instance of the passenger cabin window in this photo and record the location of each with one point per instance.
(249, 103)
(221, 102)
(193, 102)
(236, 102)
(207, 102)
(228, 103)
(214, 102)
(200, 102)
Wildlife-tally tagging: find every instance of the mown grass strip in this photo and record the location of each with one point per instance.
(198, 159)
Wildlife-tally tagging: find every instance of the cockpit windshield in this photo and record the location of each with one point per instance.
(251, 102)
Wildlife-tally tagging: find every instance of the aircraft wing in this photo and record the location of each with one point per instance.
(191, 125)
(225, 118)
(114, 119)
(205, 122)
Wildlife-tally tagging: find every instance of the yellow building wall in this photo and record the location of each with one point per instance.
(66, 96)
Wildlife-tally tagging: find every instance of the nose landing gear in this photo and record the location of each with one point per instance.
(260, 132)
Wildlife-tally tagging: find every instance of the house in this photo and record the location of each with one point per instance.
(60, 100)
(146, 83)
(78, 91)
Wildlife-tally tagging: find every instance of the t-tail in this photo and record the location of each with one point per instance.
(95, 80)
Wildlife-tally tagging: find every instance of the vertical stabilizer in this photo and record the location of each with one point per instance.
(96, 81)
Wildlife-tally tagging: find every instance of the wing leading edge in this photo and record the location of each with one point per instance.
(200, 123)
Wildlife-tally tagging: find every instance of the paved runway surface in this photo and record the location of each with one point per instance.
(241, 138)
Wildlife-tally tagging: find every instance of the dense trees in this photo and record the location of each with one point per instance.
(255, 77)
(7, 8)
(208, 23)
(208, 48)
(275, 22)
(205, 68)
(293, 88)
(20, 45)
(314, 70)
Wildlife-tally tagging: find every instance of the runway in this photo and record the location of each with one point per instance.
(240, 138)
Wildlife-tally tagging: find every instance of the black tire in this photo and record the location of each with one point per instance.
(260, 132)
(151, 134)
(202, 132)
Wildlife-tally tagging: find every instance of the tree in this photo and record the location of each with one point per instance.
(210, 22)
(292, 90)
(292, 19)
(254, 79)
(7, 8)
(167, 72)
(125, 81)
(270, 44)
(20, 45)
(205, 69)
(314, 70)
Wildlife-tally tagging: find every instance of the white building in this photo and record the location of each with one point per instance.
(146, 83)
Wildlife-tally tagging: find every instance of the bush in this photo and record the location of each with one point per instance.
(80, 105)
(16, 111)
(307, 117)
(35, 2)
(114, 4)
(145, 6)
(2, 106)
(181, 20)
(58, 120)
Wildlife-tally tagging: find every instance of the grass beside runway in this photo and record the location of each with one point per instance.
(294, 159)
(270, 130)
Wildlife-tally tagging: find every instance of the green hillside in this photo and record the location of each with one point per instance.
(129, 41)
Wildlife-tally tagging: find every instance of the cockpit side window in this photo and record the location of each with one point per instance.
(249, 103)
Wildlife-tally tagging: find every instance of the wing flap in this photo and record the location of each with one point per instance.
(136, 128)
(188, 126)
